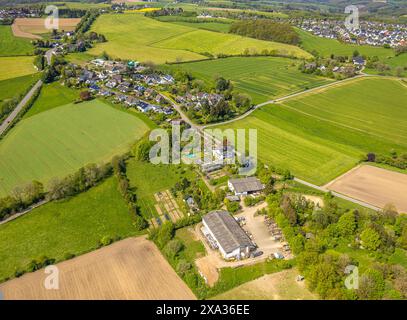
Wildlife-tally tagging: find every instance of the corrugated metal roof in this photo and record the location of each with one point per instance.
(227, 231)
(249, 184)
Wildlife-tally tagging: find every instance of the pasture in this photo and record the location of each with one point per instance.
(14, 67)
(133, 36)
(278, 286)
(262, 78)
(366, 183)
(325, 47)
(32, 28)
(219, 25)
(63, 140)
(72, 226)
(321, 135)
(52, 96)
(12, 46)
(132, 269)
(13, 88)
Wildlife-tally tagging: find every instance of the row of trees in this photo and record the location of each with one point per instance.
(393, 159)
(128, 193)
(265, 29)
(24, 196)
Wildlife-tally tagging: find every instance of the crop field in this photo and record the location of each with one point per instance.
(32, 28)
(366, 183)
(12, 46)
(278, 286)
(149, 179)
(321, 135)
(64, 139)
(263, 78)
(13, 67)
(326, 47)
(70, 226)
(15, 87)
(160, 42)
(131, 269)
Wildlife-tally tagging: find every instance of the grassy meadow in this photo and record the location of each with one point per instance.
(219, 25)
(72, 226)
(13, 46)
(277, 286)
(321, 135)
(131, 35)
(148, 179)
(325, 47)
(262, 78)
(52, 96)
(14, 67)
(15, 87)
(59, 141)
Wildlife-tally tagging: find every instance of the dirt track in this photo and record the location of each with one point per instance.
(373, 185)
(129, 269)
(31, 27)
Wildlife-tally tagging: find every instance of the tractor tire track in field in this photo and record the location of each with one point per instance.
(292, 95)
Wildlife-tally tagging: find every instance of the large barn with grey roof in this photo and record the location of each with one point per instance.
(245, 186)
(231, 239)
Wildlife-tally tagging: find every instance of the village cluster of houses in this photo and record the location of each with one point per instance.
(199, 100)
(368, 33)
(126, 83)
(20, 12)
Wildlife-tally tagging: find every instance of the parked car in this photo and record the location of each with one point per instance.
(278, 255)
(257, 254)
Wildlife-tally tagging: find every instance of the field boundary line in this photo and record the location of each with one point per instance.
(20, 214)
(287, 97)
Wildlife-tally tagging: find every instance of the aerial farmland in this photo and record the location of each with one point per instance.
(107, 174)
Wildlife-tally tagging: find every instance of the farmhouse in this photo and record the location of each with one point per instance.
(359, 61)
(221, 228)
(245, 186)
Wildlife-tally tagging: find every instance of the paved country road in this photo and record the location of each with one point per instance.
(9, 120)
(336, 194)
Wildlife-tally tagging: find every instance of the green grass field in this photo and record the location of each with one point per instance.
(321, 135)
(52, 96)
(71, 226)
(148, 179)
(13, 46)
(11, 88)
(14, 67)
(278, 286)
(263, 78)
(131, 35)
(219, 25)
(59, 141)
(325, 47)
(210, 26)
